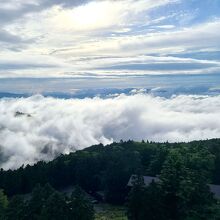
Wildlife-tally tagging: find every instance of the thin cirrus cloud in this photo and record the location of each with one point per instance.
(39, 128)
(77, 33)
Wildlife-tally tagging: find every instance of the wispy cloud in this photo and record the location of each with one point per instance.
(74, 32)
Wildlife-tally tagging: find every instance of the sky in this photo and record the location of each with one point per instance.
(108, 38)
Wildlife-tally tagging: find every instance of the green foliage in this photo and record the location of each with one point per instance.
(80, 207)
(3, 200)
(117, 175)
(55, 208)
(3, 204)
(145, 202)
(89, 168)
(17, 209)
(185, 169)
(39, 197)
(182, 192)
(184, 178)
(45, 203)
(110, 212)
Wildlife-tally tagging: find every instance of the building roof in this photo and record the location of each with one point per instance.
(215, 189)
(146, 179)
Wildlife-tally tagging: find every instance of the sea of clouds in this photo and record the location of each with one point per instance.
(39, 128)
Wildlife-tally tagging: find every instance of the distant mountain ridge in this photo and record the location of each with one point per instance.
(166, 92)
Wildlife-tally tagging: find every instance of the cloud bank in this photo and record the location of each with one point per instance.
(39, 128)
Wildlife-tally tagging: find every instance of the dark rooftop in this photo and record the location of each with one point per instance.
(215, 189)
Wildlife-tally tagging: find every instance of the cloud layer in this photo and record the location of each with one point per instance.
(39, 128)
(85, 36)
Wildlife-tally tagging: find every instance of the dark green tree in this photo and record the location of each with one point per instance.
(38, 199)
(55, 208)
(80, 206)
(184, 182)
(17, 209)
(119, 170)
(136, 199)
(144, 202)
(3, 204)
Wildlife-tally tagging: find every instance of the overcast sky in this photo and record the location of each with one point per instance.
(44, 38)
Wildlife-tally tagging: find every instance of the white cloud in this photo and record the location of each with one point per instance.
(15, 4)
(97, 15)
(60, 126)
(201, 37)
(72, 33)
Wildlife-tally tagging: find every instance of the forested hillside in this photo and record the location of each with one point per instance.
(185, 170)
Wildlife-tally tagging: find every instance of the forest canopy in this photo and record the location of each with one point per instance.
(184, 170)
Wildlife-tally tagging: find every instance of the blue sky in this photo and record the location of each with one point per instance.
(63, 38)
